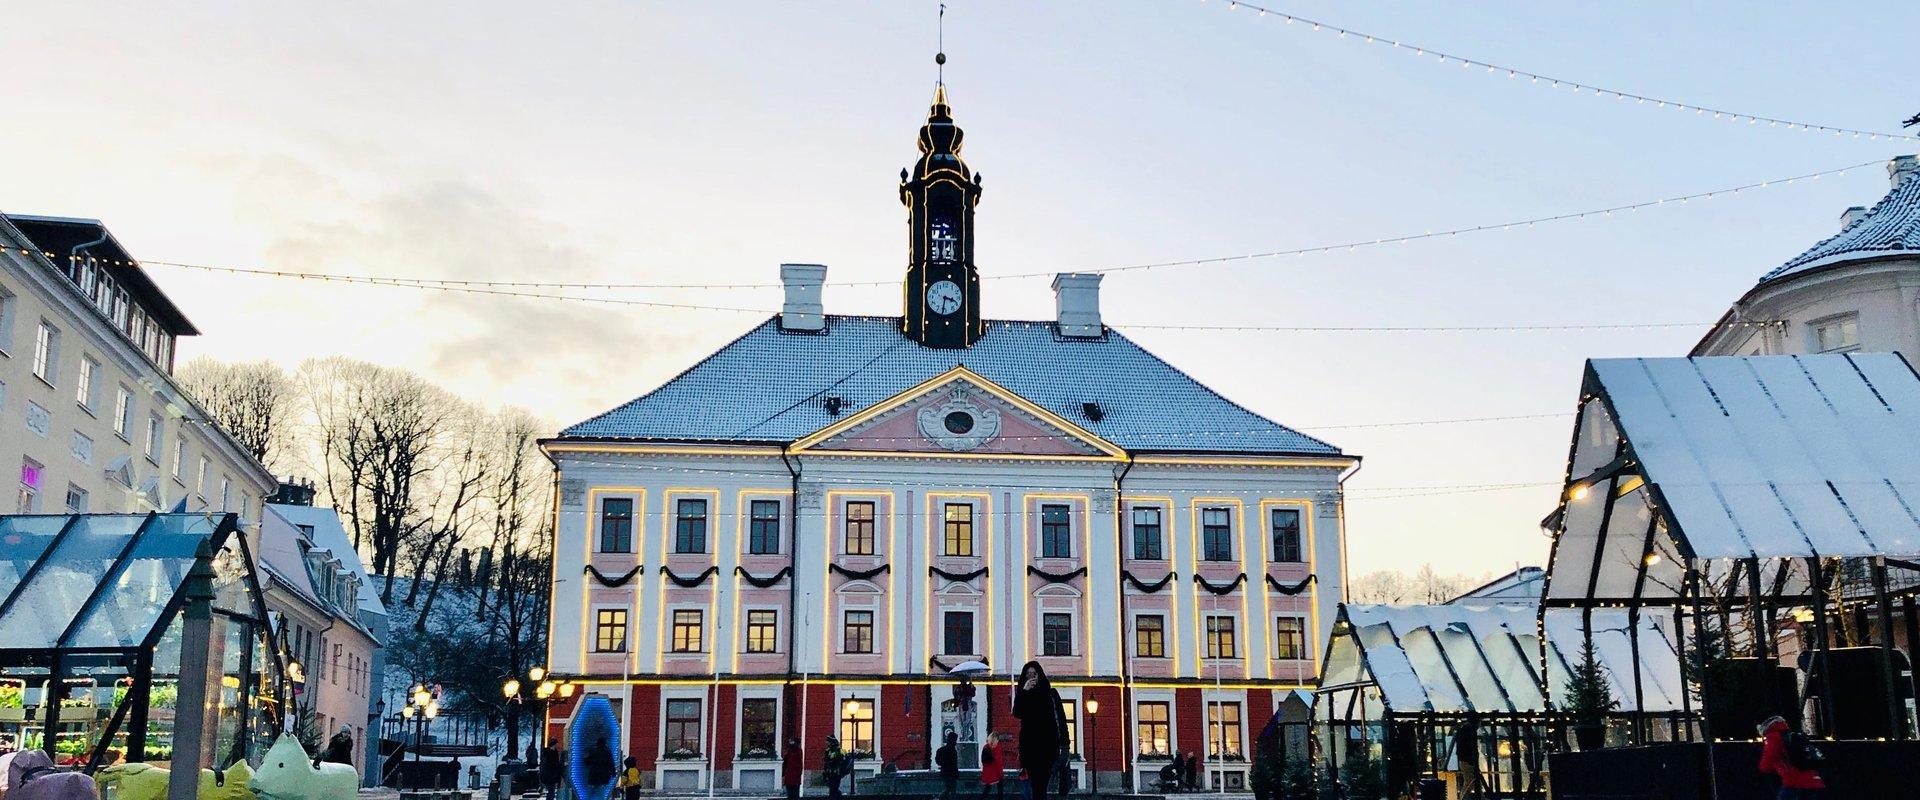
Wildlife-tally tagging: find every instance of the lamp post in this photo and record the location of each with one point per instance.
(1093, 741)
(421, 708)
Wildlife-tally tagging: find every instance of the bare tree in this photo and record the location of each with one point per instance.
(249, 401)
(1425, 586)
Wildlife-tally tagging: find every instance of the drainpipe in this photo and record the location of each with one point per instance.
(793, 592)
(1341, 499)
(1126, 674)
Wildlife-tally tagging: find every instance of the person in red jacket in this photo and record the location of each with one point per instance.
(791, 768)
(1795, 783)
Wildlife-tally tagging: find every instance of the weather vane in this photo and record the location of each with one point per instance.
(940, 51)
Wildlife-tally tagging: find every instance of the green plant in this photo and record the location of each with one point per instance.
(11, 695)
(1589, 695)
(1362, 775)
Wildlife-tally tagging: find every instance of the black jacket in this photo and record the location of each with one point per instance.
(1043, 725)
(946, 759)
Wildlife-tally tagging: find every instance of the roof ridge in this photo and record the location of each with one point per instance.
(1870, 233)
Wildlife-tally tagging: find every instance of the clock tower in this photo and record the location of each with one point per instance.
(942, 289)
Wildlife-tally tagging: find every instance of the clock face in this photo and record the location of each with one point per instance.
(943, 297)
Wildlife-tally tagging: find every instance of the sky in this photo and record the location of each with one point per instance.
(710, 142)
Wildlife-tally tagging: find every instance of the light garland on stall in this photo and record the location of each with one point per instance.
(462, 284)
(1534, 78)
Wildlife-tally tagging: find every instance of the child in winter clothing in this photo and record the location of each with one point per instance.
(1796, 783)
(991, 770)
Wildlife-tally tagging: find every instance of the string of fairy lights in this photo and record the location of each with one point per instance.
(1576, 87)
(513, 288)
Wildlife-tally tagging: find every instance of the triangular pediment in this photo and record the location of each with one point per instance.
(957, 413)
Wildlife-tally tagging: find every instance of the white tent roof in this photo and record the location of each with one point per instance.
(1462, 658)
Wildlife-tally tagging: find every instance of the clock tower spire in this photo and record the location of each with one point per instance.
(942, 288)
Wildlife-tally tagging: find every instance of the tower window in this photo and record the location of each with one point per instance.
(942, 244)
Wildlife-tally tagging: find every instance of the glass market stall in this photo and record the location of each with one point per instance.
(90, 637)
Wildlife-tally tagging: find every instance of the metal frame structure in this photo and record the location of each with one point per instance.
(134, 569)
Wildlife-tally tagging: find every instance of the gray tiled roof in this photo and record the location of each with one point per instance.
(1890, 227)
(770, 386)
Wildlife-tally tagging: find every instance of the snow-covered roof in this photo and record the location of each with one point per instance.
(1486, 659)
(329, 535)
(1520, 587)
(1145, 404)
(1890, 227)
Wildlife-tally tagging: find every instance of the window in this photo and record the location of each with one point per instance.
(206, 473)
(610, 630)
(1153, 728)
(683, 728)
(1056, 534)
(46, 352)
(959, 529)
(689, 629)
(1056, 634)
(87, 394)
(859, 539)
(856, 726)
(123, 412)
(759, 723)
(1290, 638)
(959, 633)
(180, 459)
(690, 527)
(1070, 711)
(1150, 636)
(31, 472)
(76, 499)
(1220, 637)
(857, 632)
(9, 304)
(1216, 534)
(156, 430)
(616, 525)
(1223, 730)
(1286, 535)
(1146, 534)
(763, 528)
(1837, 335)
(226, 493)
(763, 631)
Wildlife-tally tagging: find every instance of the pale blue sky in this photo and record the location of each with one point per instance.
(705, 141)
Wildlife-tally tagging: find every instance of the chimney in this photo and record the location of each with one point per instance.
(1076, 300)
(1901, 168)
(802, 310)
(1852, 213)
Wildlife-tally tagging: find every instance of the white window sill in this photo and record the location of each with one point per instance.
(43, 381)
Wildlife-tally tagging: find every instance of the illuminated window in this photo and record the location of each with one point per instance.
(959, 633)
(1056, 533)
(857, 632)
(610, 630)
(1837, 335)
(616, 525)
(690, 527)
(31, 473)
(1070, 711)
(859, 538)
(1216, 534)
(1146, 534)
(763, 528)
(1286, 535)
(684, 733)
(759, 720)
(1150, 636)
(763, 631)
(1290, 638)
(689, 631)
(1056, 634)
(1223, 730)
(856, 726)
(1153, 728)
(1220, 642)
(959, 529)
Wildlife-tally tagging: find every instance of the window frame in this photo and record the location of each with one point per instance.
(1289, 544)
(86, 391)
(1289, 641)
(856, 636)
(947, 618)
(1158, 632)
(619, 526)
(123, 413)
(1849, 322)
(1149, 729)
(1216, 539)
(674, 729)
(610, 630)
(1159, 540)
(763, 631)
(957, 532)
(859, 518)
(689, 631)
(156, 436)
(1222, 637)
(746, 745)
(1218, 727)
(690, 529)
(46, 352)
(1052, 624)
(853, 725)
(763, 529)
(1056, 530)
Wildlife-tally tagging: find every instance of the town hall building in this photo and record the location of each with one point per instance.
(819, 528)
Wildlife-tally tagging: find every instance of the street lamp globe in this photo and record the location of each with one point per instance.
(544, 690)
(511, 688)
(407, 712)
(566, 689)
(1093, 707)
(422, 697)
(537, 674)
(433, 709)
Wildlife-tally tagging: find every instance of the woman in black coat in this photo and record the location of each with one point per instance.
(1043, 726)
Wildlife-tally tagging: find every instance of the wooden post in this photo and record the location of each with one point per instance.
(1818, 586)
(196, 644)
(1896, 708)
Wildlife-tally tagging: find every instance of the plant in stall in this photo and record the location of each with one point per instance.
(11, 695)
(164, 695)
(1589, 699)
(1363, 776)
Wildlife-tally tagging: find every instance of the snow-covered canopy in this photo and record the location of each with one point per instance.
(1705, 459)
(1486, 659)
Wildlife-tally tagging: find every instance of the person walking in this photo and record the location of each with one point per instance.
(630, 778)
(1043, 726)
(947, 758)
(1788, 754)
(991, 770)
(339, 748)
(550, 768)
(792, 767)
(600, 769)
(1192, 768)
(833, 768)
